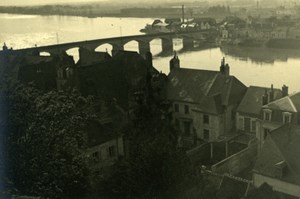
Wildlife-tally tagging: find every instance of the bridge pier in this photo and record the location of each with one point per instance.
(188, 43)
(144, 47)
(116, 48)
(167, 46)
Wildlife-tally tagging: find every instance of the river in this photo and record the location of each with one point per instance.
(252, 66)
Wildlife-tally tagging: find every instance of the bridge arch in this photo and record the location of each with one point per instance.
(131, 45)
(45, 53)
(73, 52)
(106, 47)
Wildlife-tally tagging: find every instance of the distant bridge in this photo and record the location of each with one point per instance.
(118, 43)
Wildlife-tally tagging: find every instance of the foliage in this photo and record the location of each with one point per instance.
(45, 141)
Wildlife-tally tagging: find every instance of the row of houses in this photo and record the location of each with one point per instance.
(237, 128)
(215, 107)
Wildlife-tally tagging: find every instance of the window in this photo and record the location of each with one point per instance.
(266, 132)
(241, 123)
(253, 125)
(111, 151)
(286, 117)
(206, 134)
(96, 156)
(206, 119)
(186, 109)
(176, 108)
(267, 115)
(187, 128)
(177, 124)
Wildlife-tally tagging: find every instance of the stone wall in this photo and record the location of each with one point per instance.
(238, 162)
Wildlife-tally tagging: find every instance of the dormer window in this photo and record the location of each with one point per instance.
(286, 117)
(267, 114)
(280, 169)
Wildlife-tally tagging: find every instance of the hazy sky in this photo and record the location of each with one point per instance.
(36, 2)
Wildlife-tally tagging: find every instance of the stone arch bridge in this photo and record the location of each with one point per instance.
(118, 43)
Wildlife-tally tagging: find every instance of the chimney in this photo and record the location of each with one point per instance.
(285, 91)
(271, 97)
(174, 62)
(265, 98)
(224, 68)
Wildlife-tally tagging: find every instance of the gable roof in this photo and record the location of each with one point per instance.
(289, 103)
(282, 144)
(209, 89)
(252, 101)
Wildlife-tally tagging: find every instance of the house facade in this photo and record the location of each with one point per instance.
(278, 113)
(203, 102)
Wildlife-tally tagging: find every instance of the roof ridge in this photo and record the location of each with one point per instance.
(211, 84)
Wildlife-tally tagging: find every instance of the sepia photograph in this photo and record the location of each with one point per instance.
(149, 99)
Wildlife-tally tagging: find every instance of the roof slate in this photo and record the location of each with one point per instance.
(209, 89)
(252, 101)
(283, 144)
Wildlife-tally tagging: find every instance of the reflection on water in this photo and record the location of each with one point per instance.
(252, 66)
(261, 55)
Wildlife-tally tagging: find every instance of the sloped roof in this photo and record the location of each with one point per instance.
(209, 89)
(283, 144)
(252, 101)
(289, 103)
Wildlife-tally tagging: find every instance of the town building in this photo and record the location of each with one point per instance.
(277, 113)
(277, 163)
(249, 110)
(203, 102)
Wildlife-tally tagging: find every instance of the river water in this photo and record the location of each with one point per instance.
(252, 66)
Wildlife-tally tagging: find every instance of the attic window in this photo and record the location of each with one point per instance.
(280, 169)
(286, 117)
(267, 114)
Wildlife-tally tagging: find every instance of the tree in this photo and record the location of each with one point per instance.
(46, 141)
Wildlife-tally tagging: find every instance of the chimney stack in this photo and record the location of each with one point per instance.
(271, 97)
(224, 68)
(174, 62)
(285, 91)
(265, 98)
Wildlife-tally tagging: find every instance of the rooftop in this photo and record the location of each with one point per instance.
(209, 89)
(252, 101)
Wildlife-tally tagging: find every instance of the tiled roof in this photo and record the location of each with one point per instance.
(283, 144)
(209, 89)
(252, 101)
(289, 103)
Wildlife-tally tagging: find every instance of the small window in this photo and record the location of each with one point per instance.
(96, 156)
(177, 124)
(287, 117)
(176, 108)
(206, 119)
(187, 128)
(241, 125)
(186, 109)
(111, 151)
(266, 132)
(267, 115)
(206, 134)
(253, 125)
